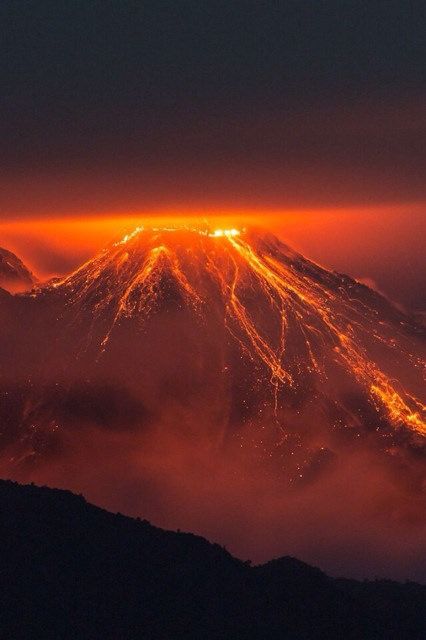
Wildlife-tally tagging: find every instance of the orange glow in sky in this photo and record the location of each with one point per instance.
(381, 245)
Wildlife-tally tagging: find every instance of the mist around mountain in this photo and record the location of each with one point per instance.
(14, 275)
(72, 570)
(222, 383)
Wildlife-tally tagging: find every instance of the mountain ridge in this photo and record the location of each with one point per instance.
(14, 275)
(70, 569)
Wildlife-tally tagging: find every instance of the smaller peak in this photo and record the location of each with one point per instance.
(290, 568)
(14, 275)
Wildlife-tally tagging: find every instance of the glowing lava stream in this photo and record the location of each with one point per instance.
(282, 280)
(133, 273)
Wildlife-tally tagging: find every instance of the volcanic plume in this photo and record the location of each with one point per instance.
(177, 347)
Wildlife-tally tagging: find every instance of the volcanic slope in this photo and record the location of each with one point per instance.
(230, 330)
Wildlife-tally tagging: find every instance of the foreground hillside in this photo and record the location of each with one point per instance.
(72, 570)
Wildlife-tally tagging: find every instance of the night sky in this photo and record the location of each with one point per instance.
(145, 108)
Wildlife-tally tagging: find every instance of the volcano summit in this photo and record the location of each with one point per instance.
(176, 356)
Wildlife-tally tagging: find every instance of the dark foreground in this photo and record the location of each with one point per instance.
(71, 570)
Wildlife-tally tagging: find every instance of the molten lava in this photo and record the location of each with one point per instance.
(269, 296)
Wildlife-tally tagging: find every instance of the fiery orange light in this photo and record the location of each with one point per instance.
(311, 306)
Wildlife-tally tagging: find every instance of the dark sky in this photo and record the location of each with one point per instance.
(158, 103)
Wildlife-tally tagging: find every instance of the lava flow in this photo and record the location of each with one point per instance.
(270, 296)
(226, 334)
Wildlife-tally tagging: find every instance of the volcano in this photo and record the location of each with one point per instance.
(241, 301)
(182, 362)
(232, 328)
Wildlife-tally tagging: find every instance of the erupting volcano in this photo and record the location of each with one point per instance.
(236, 321)
(225, 346)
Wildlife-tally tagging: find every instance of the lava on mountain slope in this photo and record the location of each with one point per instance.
(180, 363)
(293, 318)
(278, 339)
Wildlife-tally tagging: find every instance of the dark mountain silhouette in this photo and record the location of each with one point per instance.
(72, 570)
(14, 275)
